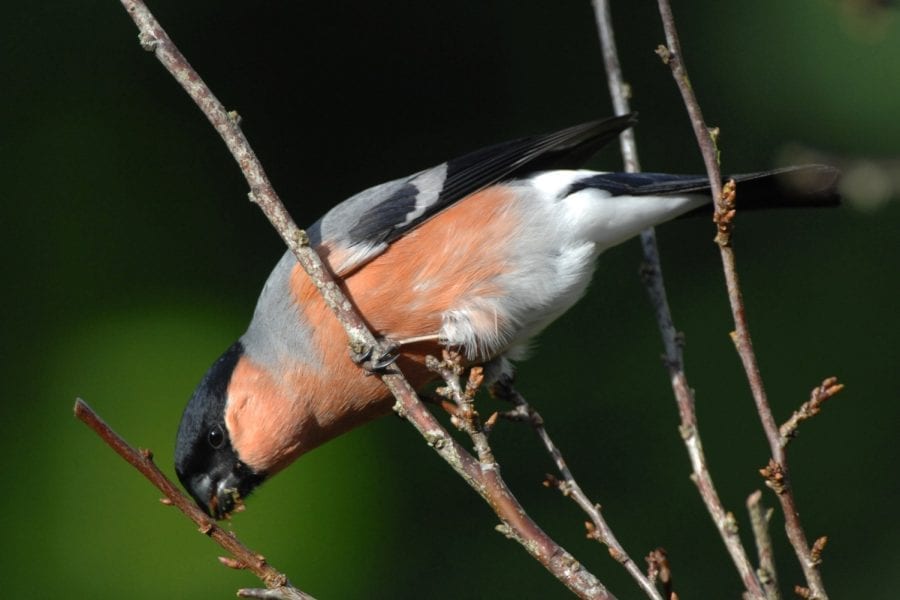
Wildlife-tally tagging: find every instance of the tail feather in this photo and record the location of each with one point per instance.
(799, 186)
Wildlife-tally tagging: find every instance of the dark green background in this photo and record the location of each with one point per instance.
(132, 258)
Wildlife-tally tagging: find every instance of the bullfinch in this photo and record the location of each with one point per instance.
(479, 254)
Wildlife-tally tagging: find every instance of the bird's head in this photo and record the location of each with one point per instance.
(255, 412)
(206, 461)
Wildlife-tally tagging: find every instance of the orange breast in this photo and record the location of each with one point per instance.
(401, 293)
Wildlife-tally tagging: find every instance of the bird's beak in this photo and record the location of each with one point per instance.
(226, 499)
(221, 496)
(201, 487)
(217, 498)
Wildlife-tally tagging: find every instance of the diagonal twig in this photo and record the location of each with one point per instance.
(759, 521)
(652, 276)
(597, 527)
(828, 389)
(723, 215)
(142, 460)
(488, 483)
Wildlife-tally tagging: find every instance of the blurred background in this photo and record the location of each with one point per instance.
(133, 258)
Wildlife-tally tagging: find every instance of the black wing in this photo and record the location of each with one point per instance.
(565, 149)
(366, 223)
(389, 217)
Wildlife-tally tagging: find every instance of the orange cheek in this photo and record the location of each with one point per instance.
(273, 418)
(262, 419)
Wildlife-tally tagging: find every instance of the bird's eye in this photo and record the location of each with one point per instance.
(216, 437)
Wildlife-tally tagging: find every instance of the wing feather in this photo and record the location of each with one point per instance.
(364, 225)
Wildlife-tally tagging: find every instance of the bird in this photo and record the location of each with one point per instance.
(478, 254)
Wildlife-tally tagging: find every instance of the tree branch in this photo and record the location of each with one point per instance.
(142, 460)
(597, 527)
(759, 521)
(723, 216)
(516, 524)
(829, 388)
(619, 91)
(465, 417)
(651, 274)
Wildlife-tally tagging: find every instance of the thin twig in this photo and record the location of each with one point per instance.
(619, 91)
(153, 38)
(515, 523)
(597, 527)
(466, 418)
(651, 271)
(142, 460)
(724, 213)
(829, 388)
(266, 594)
(759, 521)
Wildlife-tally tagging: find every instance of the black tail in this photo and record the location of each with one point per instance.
(798, 187)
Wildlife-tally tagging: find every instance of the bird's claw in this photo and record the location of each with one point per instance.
(376, 359)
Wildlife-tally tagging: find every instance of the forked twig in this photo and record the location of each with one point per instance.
(651, 272)
(723, 216)
(759, 521)
(465, 417)
(597, 527)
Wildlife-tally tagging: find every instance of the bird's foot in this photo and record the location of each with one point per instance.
(376, 359)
